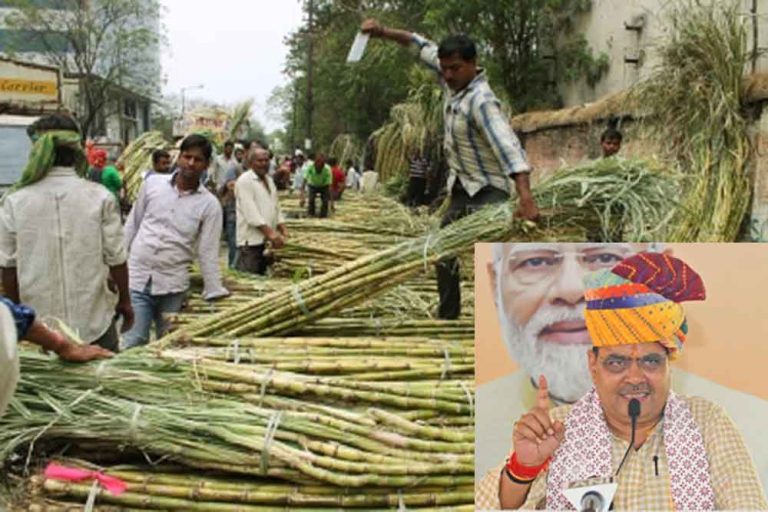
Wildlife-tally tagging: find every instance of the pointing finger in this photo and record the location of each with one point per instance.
(542, 395)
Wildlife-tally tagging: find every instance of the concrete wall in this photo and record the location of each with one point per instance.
(605, 31)
(553, 148)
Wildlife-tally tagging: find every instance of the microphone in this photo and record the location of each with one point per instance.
(634, 411)
(596, 498)
(592, 501)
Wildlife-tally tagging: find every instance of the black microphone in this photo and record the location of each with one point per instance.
(634, 411)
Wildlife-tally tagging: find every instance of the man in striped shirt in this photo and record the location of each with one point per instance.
(484, 155)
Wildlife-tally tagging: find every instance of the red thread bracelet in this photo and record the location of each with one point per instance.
(524, 472)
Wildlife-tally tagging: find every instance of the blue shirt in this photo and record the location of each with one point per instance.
(23, 316)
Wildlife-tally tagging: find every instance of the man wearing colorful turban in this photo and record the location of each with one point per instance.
(61, 238)
(687, 452)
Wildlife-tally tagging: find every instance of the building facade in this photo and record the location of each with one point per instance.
(629, 33)
(126, 113)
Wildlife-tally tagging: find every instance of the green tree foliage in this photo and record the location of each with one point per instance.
(105, 44)
(528, 46)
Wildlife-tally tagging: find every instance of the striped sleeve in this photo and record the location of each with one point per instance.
(495, 127)
(427, 52)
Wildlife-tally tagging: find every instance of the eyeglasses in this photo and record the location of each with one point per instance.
(534, 266)
(651, 363)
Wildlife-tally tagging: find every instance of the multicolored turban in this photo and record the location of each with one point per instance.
(638, 301)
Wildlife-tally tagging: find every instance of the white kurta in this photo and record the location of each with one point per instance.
(256, 206)
(9, 357)
(62, 234)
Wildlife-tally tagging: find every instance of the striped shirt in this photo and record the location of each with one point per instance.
(418, 167)
(644, 484)
(480, 146)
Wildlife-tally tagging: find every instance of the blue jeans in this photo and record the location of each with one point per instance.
(230, 228)
(148, 308)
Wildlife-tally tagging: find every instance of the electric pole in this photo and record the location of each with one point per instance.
(310, 69)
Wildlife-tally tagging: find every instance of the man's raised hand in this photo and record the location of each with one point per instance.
(535, 436)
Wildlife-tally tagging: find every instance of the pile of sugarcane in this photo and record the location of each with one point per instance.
(414, 125)
(359, 226)
(239, 119)
(358, 421)
(416, 299)
(695, 108)
(137, 159)
(172, 488)
(358, 406)
(633, 198)
(346, 147)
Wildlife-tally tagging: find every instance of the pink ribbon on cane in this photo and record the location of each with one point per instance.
(114, 485)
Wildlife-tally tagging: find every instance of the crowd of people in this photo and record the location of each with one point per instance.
(73, 250)
(67, 254)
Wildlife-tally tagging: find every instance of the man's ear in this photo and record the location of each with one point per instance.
(592, 361)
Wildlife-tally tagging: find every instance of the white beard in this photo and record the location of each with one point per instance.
(564, 366)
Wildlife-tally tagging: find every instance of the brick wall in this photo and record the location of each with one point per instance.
(552, 148)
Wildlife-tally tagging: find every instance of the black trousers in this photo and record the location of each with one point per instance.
(448, 272)
(416, 188)
(251, 259)
(325, 194)
(110, 340)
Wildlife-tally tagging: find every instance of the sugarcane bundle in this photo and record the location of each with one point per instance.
(166, 488)
(414, 125)
(609, 196)
(137, 159)
(240, 118)
(405, 132)
(345, 147)
(443, 329)
(415, 299)
(370, 212)
(694, 105)
(159, 488)
(151, 404)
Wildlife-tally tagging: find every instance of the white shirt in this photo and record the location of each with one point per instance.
(62, 234)
(370, 182)
(164, 231)
(218, 171)
(353, 179)
(256, 206)
(301, 174)
(9, 357)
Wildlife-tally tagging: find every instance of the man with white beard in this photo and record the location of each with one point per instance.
(540, 302)
(539, 294)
